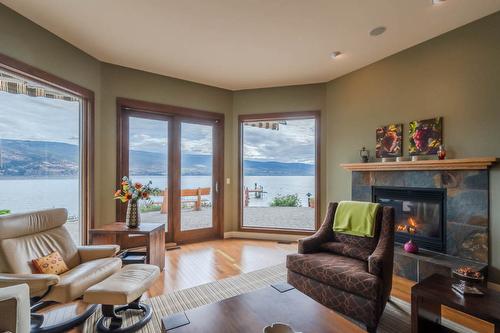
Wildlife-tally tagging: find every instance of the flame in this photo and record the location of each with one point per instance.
(410, 227)
(400, 227)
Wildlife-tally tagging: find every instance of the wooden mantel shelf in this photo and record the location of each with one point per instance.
(479, 163)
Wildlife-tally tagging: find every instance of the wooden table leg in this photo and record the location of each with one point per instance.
(425, 315)
(156, 248)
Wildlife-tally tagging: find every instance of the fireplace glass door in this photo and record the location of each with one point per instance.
(419, 214)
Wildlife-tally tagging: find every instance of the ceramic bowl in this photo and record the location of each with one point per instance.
(278, 328)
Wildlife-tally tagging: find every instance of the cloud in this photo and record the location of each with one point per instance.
(293, 143)
(37, 118)
(24, 117)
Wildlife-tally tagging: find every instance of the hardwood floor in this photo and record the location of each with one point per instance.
(195, 264)
(199, 263)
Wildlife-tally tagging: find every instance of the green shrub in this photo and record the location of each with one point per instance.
(4, 211)
(289, 200)
(150, 208)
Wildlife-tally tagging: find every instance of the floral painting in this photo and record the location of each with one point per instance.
(389, 140)
(425, 136)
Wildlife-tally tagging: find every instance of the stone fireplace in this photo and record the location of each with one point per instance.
(447, 202)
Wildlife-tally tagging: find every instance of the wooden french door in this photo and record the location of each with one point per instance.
(183, 156)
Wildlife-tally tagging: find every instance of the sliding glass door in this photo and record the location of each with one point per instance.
(148, 161)
(178, 155)
(279, 172)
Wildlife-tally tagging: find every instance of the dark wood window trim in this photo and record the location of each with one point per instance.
(87, 96)
(280, 116)
(155, 110)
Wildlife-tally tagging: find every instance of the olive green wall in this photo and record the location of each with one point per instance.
(125, 82)
(271, 100)
(456, 75)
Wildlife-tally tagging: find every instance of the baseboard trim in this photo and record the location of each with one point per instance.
(262, 236)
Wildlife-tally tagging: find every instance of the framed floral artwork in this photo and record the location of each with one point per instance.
(389, 139)
(425, 136)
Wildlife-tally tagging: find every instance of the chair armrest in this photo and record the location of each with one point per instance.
(324, 234)
(92, 252)
(15, 309)
(380, 262)
(37, 283)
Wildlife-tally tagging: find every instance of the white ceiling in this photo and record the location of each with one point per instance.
(241, 44)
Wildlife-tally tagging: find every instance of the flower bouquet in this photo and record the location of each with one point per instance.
(131, 193)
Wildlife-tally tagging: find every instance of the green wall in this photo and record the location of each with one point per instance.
(456, 75)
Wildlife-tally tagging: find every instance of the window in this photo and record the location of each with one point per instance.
(43, 150)
(279, 164)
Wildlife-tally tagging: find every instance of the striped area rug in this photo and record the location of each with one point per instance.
(396, 317)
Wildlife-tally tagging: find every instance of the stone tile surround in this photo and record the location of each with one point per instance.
(467, 201)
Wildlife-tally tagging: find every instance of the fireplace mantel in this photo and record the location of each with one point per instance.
(477, 163)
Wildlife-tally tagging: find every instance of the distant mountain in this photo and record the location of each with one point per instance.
(257, 168)
(39, 158)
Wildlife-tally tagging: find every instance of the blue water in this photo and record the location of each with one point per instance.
(25, 194)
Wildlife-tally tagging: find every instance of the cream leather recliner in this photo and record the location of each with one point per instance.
(28, 236)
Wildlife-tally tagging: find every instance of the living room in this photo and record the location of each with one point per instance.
(251, 120)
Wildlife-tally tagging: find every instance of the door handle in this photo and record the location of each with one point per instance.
(216, 187)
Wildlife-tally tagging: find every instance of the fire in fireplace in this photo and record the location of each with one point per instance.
(420, 214)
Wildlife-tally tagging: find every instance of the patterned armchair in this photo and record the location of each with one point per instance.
(349, 274)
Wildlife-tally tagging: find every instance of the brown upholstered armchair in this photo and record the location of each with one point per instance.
(349, 274)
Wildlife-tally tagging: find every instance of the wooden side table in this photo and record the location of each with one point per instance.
(152, 235)
(428, 296)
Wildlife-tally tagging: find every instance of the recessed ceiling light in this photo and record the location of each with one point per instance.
(378, 31)
(437, 2)
(335, 55)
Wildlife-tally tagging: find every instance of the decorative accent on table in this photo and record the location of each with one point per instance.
(411, 228)
(389, 140)
(4, 211)
(468, 281)
(131, 193)
(441, 152)
(425, 136)
(364, 154)
(278, 328)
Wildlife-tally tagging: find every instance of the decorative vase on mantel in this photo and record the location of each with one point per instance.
(133, 219)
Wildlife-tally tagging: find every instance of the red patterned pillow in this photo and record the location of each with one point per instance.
(51, 264)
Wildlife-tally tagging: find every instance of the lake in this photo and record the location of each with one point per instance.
(26, 194)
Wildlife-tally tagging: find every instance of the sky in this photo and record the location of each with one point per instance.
(293, 143)
(44, 119)
(24, 117)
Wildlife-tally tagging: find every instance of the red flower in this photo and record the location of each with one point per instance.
(137, 186)
(128, 196)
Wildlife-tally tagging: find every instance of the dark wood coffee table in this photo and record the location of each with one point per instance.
(428, 296)
(251, 312)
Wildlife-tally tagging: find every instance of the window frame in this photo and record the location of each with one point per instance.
(86, 131)
(293, 115)
(125, 107)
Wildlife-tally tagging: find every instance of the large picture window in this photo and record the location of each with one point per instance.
(43, 150)
(279, 171)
